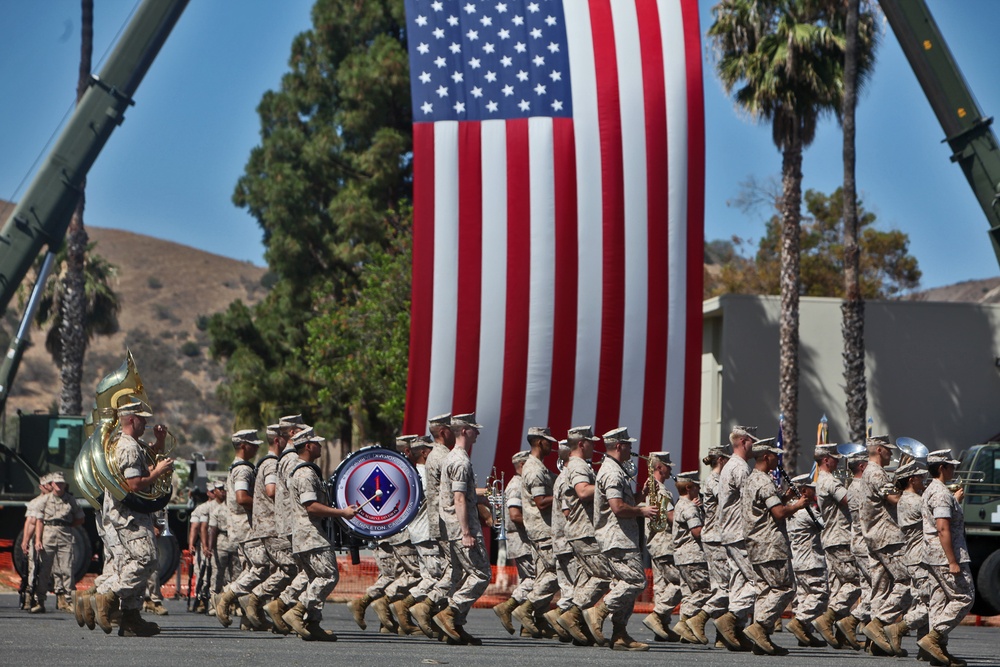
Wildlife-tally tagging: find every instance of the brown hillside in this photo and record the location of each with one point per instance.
(164, 289)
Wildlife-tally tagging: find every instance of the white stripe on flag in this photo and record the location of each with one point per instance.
(494, 290)
(633, 118)
(589, 198)
(442, 381)
(675, 75)
(542, 273)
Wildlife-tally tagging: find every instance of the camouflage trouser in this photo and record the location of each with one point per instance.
(666, 585)
(56, 562)
(135, 556)
(388, 570)
(628, 581)
(431, 564)
(256, 567)
(916, 615)
(525, 577)
(566, 574)
(546, 582)
(843, 579)
(742, 588)
(472, 567)
(283, 569)
(225, 565)
(951, 597)
(696, 590)
(718, 576)
(320, 568)
(446, 582)
(812, 594)
(890, 583)
(407, 571)
(863, 610)
(593, 573)
(153, 586)
(775, 585)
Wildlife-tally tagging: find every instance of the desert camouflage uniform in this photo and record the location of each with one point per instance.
(692, 566)
(741, 586)
(470, 565)
(842, 570)
(812, 590)
(593, 576)
(951, 595)
(767, 549)
(281, 565)
(253, 555)
(711, 543)
(537, 480)
(517, 544)
(284, 507)
(619, 540)
(225, 556)
(666, 579)
(890, 580)
(909, 512)
(439, 565)
(565, 562)
(57, 517)
(859, 549)
(313, 552)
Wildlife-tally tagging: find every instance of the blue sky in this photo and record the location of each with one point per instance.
(169, 171)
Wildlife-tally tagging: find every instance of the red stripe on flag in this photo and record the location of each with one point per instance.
(609, 383)
(657, 294)
(567, 261)
(470, 250)
(695, 232)
(422, 290)
(515, 356)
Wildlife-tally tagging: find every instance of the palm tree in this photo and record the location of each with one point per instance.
(72, 322)
(860, 45)
(100, 303)
(782, 61)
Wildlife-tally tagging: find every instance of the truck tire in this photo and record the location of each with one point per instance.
(168, 555)
(83, 553)
(988, 582)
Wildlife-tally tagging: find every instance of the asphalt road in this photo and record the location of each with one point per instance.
(190, 640)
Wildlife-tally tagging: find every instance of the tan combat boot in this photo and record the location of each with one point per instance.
(801, 633)
(594, 617)
(402, 611)
(106, 604)
(848, 626)
(826, 627)
(357, 609)
(133, 626)
(621, 641)
(253, 611)
(931, 642)
(697, 625)
(726, 625)
(319, 634)
(445, 620)
(275, 608)
(78, 607)
(571, 621)
(381, 607)
(525, 615)
(875, 631)
(504, 611)
(683, 629)
(895, 633)
(223, 607)
(424, 618)
(756, 633)
(294, 618)
(159, 609)
(552, 618)
(87, 603)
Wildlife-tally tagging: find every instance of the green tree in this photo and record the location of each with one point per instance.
(782, 61)
(100, 303)
(886, 269)
(324, 184)
(360, 345)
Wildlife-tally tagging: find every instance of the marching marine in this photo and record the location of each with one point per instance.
(660, 546)
(53, 538)
(697, 602)
(812, 588)
(518, 546)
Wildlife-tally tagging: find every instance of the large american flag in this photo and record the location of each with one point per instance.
(558, 203)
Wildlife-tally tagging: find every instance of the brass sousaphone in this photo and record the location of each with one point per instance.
(97, 470)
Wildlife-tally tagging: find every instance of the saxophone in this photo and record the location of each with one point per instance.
(655, 498)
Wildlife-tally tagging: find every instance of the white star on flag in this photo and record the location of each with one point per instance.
(477, 91)
(421, 21)
(442, 91)
(508, 90)
(459, 107)
(524, 105)
(425, 77)
(427, 107)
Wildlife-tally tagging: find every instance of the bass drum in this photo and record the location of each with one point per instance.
(83, 554)
(168, 557)
(361, 475)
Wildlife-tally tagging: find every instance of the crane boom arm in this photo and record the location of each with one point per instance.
(967, 131)
(43, 213)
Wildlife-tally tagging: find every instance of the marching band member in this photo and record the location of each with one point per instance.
(563, 552)
(518, 547)
(711, 536)
(861, 613)
(697, 599)
(909, 479)
(660, 546)
(812, 588)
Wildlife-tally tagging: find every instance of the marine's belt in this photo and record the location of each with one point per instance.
(57, 522)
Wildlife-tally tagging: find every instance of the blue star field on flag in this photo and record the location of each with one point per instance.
(487, 60)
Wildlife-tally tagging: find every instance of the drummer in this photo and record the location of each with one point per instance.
(310, 547)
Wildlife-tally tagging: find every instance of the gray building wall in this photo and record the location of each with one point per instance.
(932, 370)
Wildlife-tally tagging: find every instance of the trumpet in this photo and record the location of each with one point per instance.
(964, 478)
(497, 498)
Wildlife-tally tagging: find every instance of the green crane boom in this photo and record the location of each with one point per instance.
(44, 211)
(967, 131)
